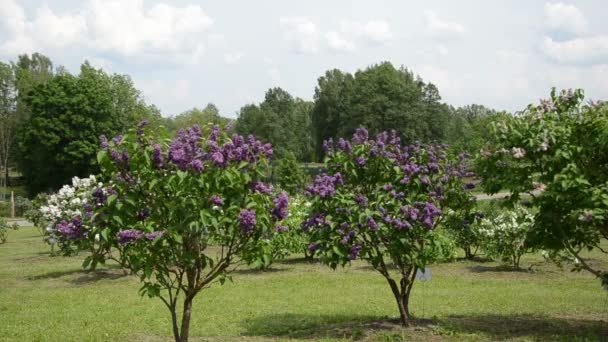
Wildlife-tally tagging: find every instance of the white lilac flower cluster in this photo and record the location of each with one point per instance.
(65, 210)
(507, 232)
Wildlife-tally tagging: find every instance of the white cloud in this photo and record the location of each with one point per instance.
(440, 28)
(46, 30)
(593, 49)
(352, 33)
(233, 58)
(338, 42)
(564, 18)
(123, 27)
(301, 33)
(374, 32)
(128, 28)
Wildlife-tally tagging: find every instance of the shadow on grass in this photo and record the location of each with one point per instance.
(298, 261)
(499, 268)
(314, 327)
(111, 272)
(494, 327)
(246, 271)
(538, 327)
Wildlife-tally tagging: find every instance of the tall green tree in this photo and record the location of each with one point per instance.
(282, 120)
(380, 97)
(8, 116)
(197, 116)
(469, 126)
(68, 113)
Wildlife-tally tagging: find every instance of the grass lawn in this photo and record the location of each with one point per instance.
(45, 298)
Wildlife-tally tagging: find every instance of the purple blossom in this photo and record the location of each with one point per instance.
(425, 181)
(469, 186)
(154, 235)
(185, 148)
(104, 142)
(247, 219)
(129, 235)
(218, 159)
(99, 197)
(328, 145)
(261, 187)
(216, 200)
(361, 200)
(344, 146)
(157, 156)
(360, 161)
(433, 167)
(387, 187)
(361, 135)
(313, 247)
(117, 140)
(279, 212)
(372, 224)
(72, 230)
(430, 212)
(324, 186)
(281, 229)
(354, 251)
(197, 166)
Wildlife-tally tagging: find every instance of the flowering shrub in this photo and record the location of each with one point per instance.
(175, 198)
(556, 151)
(289, 238)
(70, 221)
(380, 201)
(4, 227)
(504, 236)
(34, 214)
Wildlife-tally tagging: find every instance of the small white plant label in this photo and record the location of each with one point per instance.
(423, 275)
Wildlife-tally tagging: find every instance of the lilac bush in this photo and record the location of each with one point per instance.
(380, 201)
(69, 220)
(176, 198)
(557, 153)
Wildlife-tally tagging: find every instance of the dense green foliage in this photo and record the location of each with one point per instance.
(59, 139)
(381, 98)
(196, 116)
(557, 152)
(281, 120)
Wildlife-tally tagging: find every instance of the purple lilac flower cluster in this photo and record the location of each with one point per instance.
(185, 152)
(129, 235)
(324, 186)
(280, 212)
(281, 229)
(315, 220)
(261, 187)
(216, 200)
(247, 219)
(72, 230)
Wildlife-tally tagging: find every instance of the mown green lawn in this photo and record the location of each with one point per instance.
(45, 298)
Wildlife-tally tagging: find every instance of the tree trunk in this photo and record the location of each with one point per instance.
(186, 319)
(6, 179)
(174, 320)
(402, 303)
(467, 253)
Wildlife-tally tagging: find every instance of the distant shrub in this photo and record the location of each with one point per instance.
(504, 236)
(289, 175)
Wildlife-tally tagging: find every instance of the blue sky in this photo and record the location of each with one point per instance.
(186, 53)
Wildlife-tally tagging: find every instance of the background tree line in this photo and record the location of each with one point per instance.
(51, 120)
